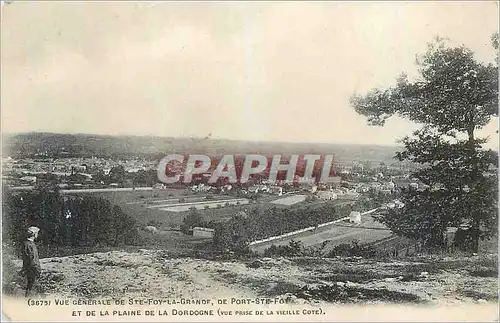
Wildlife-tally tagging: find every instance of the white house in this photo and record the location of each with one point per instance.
(203, 232)
(390, 185)
(326, 195)
(159, 186)
(355, 217)
(276, 190)
(349, 196)
(151, 229)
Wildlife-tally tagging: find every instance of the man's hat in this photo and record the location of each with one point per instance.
(33, 230)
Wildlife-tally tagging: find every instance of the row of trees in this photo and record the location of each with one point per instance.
(453, 97)
(265, 222)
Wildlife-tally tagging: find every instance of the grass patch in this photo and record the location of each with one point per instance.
(484, 272)
(355, 275)
(227, 275)
(477, 295)
(269, 288)
(280, 288)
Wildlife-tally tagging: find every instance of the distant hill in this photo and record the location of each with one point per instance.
(151, 147)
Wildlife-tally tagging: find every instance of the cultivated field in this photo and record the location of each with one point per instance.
(290, 200)
(200, 205)
(167, 208)
(341, 232)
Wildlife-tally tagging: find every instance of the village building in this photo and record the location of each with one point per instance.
(326, 195)
(355, 217)
(350, 195)
(203, 232)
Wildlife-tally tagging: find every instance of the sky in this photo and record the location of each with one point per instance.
(272, 71)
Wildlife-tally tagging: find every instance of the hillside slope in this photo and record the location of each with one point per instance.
(351, 280)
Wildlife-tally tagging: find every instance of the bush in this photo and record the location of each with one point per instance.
(293, 249)
(10, 277)
(311, 198)
(193, 219)
(155, 223)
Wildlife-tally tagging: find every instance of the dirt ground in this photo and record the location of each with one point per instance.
(156, 273)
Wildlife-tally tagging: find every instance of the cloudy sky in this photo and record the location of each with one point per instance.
(257, 71)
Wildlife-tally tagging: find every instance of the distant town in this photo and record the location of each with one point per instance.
(353, 179)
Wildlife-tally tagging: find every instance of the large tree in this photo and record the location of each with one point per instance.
(453, 97)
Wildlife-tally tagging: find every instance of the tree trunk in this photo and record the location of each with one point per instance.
(475, 220)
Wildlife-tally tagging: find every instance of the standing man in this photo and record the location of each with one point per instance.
(31, 262)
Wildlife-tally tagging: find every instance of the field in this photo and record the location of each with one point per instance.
(175, 206)
(165, 210)
(342, 232)
(290, 200)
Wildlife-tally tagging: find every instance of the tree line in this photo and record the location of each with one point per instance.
(264, 222)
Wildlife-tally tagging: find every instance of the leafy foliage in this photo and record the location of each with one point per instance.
(454, 96)
(454, 91)
(293, 249)
(117, 174)
(66, 220)
(192, 219)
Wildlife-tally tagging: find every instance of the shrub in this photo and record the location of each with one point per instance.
(191, 220)
(293, 249)
(155, 223)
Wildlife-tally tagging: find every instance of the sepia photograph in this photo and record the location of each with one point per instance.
(249, 161)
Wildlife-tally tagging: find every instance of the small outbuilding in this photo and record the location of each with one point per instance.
(151, 229)
(203, 232)
(355, 217)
